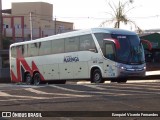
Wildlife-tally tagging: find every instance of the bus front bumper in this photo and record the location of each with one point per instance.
(131, 71)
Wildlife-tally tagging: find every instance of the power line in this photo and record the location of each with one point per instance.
(154, 16)
(35, 15)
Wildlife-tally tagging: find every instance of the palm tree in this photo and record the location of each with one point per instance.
(119, 15)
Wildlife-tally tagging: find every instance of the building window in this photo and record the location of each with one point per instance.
(5, 26)
(47, 26)
(18, 26)
(25, 26)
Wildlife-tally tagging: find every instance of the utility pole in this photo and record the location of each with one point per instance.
(31, 25)
(55, 31)
(1, 41)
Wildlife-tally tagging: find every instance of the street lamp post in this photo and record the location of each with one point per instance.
(31, 25)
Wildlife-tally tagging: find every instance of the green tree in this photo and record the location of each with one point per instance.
(119, 14)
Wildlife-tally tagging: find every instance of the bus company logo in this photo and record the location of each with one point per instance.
(70, 59)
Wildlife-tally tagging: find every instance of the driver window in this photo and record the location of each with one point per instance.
(109, 51)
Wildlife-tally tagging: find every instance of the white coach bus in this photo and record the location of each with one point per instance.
(96, 54)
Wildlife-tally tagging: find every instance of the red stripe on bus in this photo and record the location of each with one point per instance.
(35, 68)
(20, 60)
(13, 77)
(26, 67)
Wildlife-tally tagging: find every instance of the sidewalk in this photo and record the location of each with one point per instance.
(152, 73)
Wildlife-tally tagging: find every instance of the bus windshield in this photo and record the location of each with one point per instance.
(130, 50)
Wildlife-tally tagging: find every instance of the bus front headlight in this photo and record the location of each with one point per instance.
(123, 68)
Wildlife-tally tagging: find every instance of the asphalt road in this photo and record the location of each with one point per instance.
(92, 101)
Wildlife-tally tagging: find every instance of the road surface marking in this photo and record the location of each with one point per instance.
(142, 85)
(89, 92)
(33, 97)
(131, 87)
(148, 73)
(4, 94)
(129, 81)
(88, 82)
(45, 93)
(95, 87)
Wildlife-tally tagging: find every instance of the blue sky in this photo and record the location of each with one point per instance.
(90, 13)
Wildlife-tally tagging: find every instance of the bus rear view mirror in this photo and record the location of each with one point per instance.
(115, 41)
(149, 44)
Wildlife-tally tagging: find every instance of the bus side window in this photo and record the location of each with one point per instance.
(13, 52)
(100, 37)
(20, 51)
(58, 46)
(24, 50)
(87, 43)
(45, 48)
(32, 49)
(72, 44)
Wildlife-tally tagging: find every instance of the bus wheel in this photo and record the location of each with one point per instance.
(28, 79)
(97, 77)
(36, 79)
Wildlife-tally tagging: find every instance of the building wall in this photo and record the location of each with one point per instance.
(40, 9)
(17, 25)
(6, 22)
(62, 27)
(40, 12)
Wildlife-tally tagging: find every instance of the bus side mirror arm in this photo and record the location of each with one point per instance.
(149, 44)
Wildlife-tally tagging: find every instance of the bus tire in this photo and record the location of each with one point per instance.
(97, 77)
(36, 79)
(28, 79)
